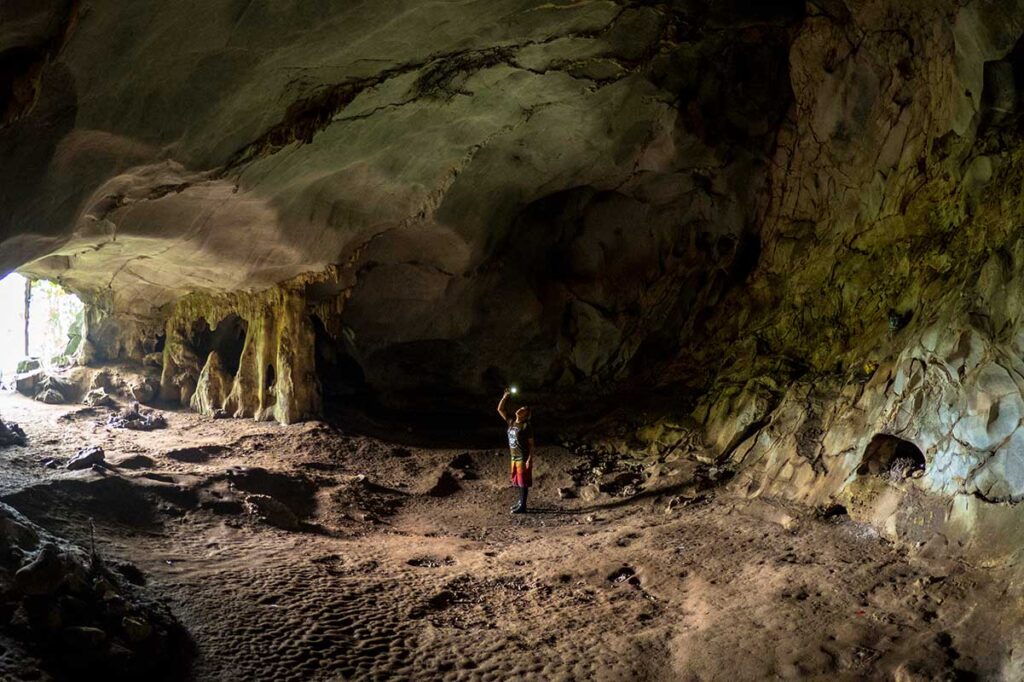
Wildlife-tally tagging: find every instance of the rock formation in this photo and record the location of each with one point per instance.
(781, 230)
(73, 615)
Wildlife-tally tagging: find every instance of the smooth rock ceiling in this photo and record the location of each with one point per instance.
(575, 195)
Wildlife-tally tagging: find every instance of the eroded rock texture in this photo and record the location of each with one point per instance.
(543, 193)
(789, 227)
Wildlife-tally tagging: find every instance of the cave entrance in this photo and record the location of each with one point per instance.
(227, 338)
(340, 374)
(890, 457)
(38, 319)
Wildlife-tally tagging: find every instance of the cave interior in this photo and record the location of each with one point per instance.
(752, 265)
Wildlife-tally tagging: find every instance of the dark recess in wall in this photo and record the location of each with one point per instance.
(228, 339)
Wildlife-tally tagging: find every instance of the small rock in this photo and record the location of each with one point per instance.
(52, 619)
(590, 492)
(271, 511)
(85, 458)
(15, 533)
(136, 629)
(119, 654)
(567, 493)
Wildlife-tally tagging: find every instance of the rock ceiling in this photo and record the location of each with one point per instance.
(563, 192)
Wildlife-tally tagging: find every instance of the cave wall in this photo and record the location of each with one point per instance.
(276, 375)
(887, 297)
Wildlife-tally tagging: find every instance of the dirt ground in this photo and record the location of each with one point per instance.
(405, 563)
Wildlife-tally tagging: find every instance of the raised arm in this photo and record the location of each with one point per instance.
(501, 406)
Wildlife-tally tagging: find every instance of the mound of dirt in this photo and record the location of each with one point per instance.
(136, 462)
(445, 486)
(196, 455)
(360, 499)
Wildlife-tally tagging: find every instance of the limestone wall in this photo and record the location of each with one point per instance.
(956, 392)
(276, 374)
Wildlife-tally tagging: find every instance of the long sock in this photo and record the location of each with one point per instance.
(522, 497)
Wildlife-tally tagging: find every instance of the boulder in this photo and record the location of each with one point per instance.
(85, 458)
(11, 434)
(51, 396)
(26, 383)
(98, 397)
(102, 379)
(28, 365)
(143, 390)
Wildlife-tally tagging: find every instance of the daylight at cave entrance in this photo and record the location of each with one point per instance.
(751, 267)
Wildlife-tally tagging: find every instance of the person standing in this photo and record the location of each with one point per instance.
(520, 444)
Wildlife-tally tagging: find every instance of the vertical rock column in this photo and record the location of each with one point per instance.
(276, 377)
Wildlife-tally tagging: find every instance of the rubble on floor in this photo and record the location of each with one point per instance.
(70, 616)
(137, 418)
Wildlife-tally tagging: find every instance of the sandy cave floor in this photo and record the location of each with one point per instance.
(408, 565)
